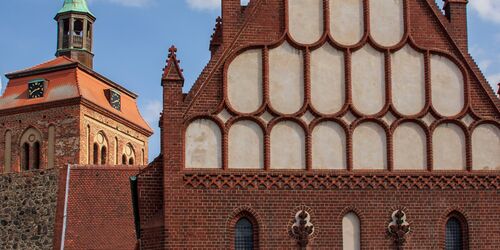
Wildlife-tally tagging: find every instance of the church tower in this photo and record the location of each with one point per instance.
(74, 34)
(63, 112)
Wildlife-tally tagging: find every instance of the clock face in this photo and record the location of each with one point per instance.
(36, 89)
(115, 100)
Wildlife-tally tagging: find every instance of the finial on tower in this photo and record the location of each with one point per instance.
(75, 36)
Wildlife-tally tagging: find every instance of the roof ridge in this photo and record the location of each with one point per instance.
(40, 65)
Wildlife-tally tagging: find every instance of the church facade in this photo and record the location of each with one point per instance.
(328, 124)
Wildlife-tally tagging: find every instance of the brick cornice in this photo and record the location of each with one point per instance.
(354, 181)
(40, 106)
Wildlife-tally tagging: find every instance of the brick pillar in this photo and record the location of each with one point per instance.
(456, 12)
(173, 107)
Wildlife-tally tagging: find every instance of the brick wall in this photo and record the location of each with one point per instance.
(67, 134)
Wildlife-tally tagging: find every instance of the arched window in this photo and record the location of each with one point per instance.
(244, 235)
(30, 145)
(100, 149)
(96, 154)
(25, 157)
(36, 155)
(104, 157)
(454, 238)
(351, 232)
(128, 155)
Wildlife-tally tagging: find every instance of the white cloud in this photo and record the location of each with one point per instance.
(488, 10)
(204, 4)
(151, 112)
(127, 3)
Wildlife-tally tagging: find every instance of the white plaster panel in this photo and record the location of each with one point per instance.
(286, 79)
(448, 145)
(408, 81)
(329, 146)
(327, 79)
(346, 21)
(447, 84)
(246, 146)
(244, 81)
(368, 80)
(387, 23)
(203, 145)
(351, 232)
(486, 148)
(409, 147)
(288, 146)
(305, 20)
(369, 147)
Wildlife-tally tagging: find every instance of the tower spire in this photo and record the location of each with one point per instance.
(75, 36)
(77, 6)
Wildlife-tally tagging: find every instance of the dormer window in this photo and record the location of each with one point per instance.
(36, 88)
(114, 98)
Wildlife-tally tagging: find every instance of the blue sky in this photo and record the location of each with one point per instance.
(132, 38)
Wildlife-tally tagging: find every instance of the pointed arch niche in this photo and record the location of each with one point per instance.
(100, 149)
(30, 145)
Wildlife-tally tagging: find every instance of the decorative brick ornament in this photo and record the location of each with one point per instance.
(399, 228)
(302, 229)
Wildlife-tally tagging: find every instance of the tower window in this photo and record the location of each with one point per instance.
(103, 155)
(78, 29)
(66, 27)
(243, 237)
(454, 234)
(36, 155)
(30, 149)
(124, 160)
(96, 154)
(65, 34)
(25, 157)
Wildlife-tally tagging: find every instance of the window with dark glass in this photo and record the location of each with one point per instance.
(244, 238)
(25, 154)
(124, 160)
(454, 237)
(36, 155)
(96, 154)
(103, 156)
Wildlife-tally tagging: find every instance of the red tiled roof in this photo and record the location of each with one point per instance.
(68, 83)
(100, 213)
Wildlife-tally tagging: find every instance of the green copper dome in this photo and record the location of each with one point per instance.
(75, 6)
